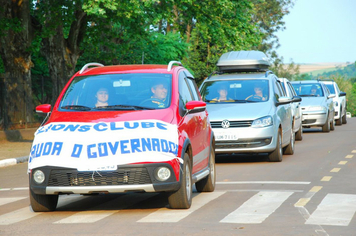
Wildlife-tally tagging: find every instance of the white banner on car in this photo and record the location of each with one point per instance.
(103, 145)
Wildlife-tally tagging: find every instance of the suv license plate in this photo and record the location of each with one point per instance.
(226, 137)
(99, 168)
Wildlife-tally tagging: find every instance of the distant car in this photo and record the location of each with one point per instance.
(248, 108)
(296, 109)
(339, 101)
(317, 104)
(124, 128)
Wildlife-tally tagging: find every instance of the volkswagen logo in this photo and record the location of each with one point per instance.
(225, 124)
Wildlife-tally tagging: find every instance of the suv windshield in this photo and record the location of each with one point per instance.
(308, 90)
(118, 92)
(249, 90)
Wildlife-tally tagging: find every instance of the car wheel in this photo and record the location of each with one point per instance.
(338, 122)
(182, 199)
(299, 134)
(276, 155)
(344, 121)
(43, 203)
(332, 126)
(326, 126)
(208, 183)
(289, 149)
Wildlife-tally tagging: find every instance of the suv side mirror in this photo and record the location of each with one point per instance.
(284, 100)
(342, 94)
(195, 106)
(43, 109)
(297, 99)
(331, 96)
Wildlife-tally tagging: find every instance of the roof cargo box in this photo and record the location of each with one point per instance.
(243, 61)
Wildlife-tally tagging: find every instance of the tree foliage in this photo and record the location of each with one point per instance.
(66, 34)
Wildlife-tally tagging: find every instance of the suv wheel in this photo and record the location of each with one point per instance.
(43, 203)
(276, 155)
(332, 125)
(299, 134)
(289, 149)
(326, 126)
(182, 199)
(344, 121)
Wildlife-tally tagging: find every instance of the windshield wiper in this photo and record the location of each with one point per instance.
(308, 95)
(76, 107)
(124, 107)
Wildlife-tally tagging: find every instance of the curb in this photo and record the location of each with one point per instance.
(13, 161)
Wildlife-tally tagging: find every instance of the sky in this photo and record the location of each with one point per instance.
(319, 31)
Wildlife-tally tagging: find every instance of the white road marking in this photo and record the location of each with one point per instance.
(86, 217)
(4, 201)
(257, 208)
(170, 215)
(96, 215)
(17, 216)
(335, 209)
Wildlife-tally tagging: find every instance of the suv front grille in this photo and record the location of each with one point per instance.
(243, 143)
(233, 124)
(123, 176)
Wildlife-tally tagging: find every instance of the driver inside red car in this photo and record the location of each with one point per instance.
(159, 95)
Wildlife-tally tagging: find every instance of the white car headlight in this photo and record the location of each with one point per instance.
(336, 103)
(317, 108)
(162, 173)
(262, 122)
(39, 176)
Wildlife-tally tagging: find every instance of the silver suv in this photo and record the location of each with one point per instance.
(248, 108)
(339, 101)
(317, 104)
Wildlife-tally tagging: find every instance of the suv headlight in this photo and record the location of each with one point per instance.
(317, 108)
(262, 122)
(336, 103)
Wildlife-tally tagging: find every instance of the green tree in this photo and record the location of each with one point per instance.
(16, 34)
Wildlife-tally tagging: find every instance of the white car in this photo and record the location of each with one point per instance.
(339, 101)
(317, 104)
(296, 108)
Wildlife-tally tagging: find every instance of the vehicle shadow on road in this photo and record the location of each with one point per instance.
(241, 158)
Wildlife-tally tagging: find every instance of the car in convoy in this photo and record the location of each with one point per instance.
(339, 101)
(248, 108)
(317, 104)
(123, 128)
(296, 108)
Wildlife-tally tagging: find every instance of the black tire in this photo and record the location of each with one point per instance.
(208, 183)
(326, 126)
(289, 149)
(344, 120)
(332, 125)
(299, 134)
(43, 203)
(276, 155)
(338, 122)
(182, 199)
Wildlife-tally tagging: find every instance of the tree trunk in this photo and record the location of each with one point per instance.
(17, 103)
(62, 54)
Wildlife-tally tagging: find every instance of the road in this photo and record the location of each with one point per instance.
(312, 192)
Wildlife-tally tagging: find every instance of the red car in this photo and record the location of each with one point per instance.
(113, 129)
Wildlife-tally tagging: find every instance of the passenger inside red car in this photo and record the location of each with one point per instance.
(102, 97)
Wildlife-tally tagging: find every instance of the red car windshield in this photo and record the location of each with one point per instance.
(118, 92)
